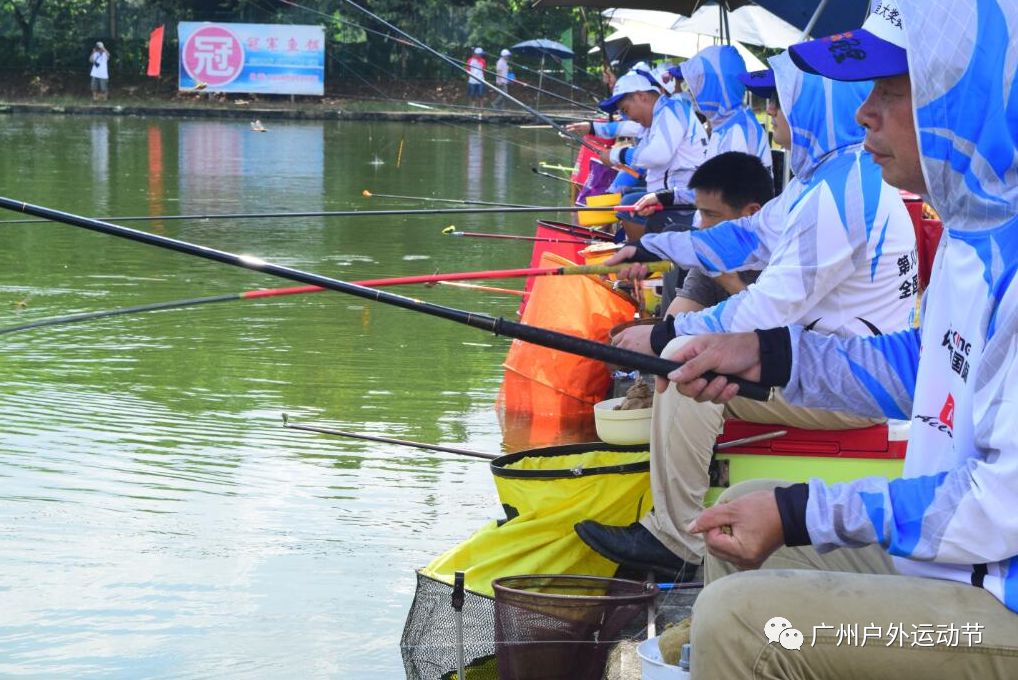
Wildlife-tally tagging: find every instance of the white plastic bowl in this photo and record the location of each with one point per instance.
(654, 668)
(621, 427)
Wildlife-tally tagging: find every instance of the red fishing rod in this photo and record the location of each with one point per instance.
(430, 279)
(650, 365)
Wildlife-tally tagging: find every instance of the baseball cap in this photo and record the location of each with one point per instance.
(634, 81)
(760, 83)
(478, 50)
(676, 72)
(505, 53)
(877, 50)
(100, 45)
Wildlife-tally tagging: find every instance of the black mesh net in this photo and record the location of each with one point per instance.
(429, 636)
(550, 627)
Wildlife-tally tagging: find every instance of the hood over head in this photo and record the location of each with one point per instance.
(965, 97)
(712, 76)
(820, 112)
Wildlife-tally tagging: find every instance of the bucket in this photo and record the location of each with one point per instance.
(589, 218)
(651, 289)
(654, 668)
(553, 626)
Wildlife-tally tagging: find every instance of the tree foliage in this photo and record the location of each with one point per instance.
(55, 35)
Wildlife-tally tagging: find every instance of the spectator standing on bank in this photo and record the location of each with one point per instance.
(502, 76)
(476, 65)
(100, 73)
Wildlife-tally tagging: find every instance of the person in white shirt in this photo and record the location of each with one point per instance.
(100, 73)
(502, 76)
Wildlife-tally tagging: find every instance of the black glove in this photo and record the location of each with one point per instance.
(666, 197)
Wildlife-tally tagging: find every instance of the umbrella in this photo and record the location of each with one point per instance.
(686, 7)
(676, 43)
(749, 25)
(543, 46)
(831, 17)
(621, 49)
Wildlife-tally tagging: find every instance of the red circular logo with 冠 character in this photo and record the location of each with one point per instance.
(213, 55)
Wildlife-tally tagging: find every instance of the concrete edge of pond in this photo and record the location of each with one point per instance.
(310, 113)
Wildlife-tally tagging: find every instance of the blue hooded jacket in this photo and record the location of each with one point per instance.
(713, 79)
(952, 515)
(829, 245)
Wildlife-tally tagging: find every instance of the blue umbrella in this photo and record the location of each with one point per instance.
(542, 47)
(834, 17)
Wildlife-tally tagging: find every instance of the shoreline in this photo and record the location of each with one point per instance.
(266, 113)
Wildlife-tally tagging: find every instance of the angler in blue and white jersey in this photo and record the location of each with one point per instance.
(712, 77)
(672, 146)
(936, 551)
(714, 80)
(830, 247)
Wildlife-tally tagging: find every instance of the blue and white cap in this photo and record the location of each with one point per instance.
(760, 83)
(634, 81)
(877, 50)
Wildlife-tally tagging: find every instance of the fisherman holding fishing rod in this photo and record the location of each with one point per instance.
(925, 563)
(830, 247)
(670, 150)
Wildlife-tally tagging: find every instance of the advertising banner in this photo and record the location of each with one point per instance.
(255, 58)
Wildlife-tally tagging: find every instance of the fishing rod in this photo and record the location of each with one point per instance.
(552, 78)
(406, 43)
(451, 231)
(388, 440)
(370, 194)
(568, 270)
(536, 172)
(541, 90)
(357, 213)
(452, 62)
(486, 289)
(651, 365)
(492, 456)
(430, 279)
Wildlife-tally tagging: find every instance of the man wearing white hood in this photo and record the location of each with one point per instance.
(935, 553)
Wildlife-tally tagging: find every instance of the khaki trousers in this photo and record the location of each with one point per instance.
(858, 618)
(682, 438)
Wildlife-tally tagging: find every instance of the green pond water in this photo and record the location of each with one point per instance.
(156, 520)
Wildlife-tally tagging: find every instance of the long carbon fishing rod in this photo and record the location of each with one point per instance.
(650, 365)
(228, 297)
(357, 213)
(388, 440)
(451, 231)
(458, 201)
(455, 64)
(450, 278)
(543, 174)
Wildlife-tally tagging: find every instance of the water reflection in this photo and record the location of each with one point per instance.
(157, 519)
(99, 164)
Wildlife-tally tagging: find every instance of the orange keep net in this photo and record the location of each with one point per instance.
(548, 382)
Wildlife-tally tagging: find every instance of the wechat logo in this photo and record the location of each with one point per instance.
(780, 630)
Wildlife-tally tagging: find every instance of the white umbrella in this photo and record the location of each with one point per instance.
(751, 25)
(677, 43)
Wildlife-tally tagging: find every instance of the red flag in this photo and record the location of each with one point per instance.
(155, 52)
